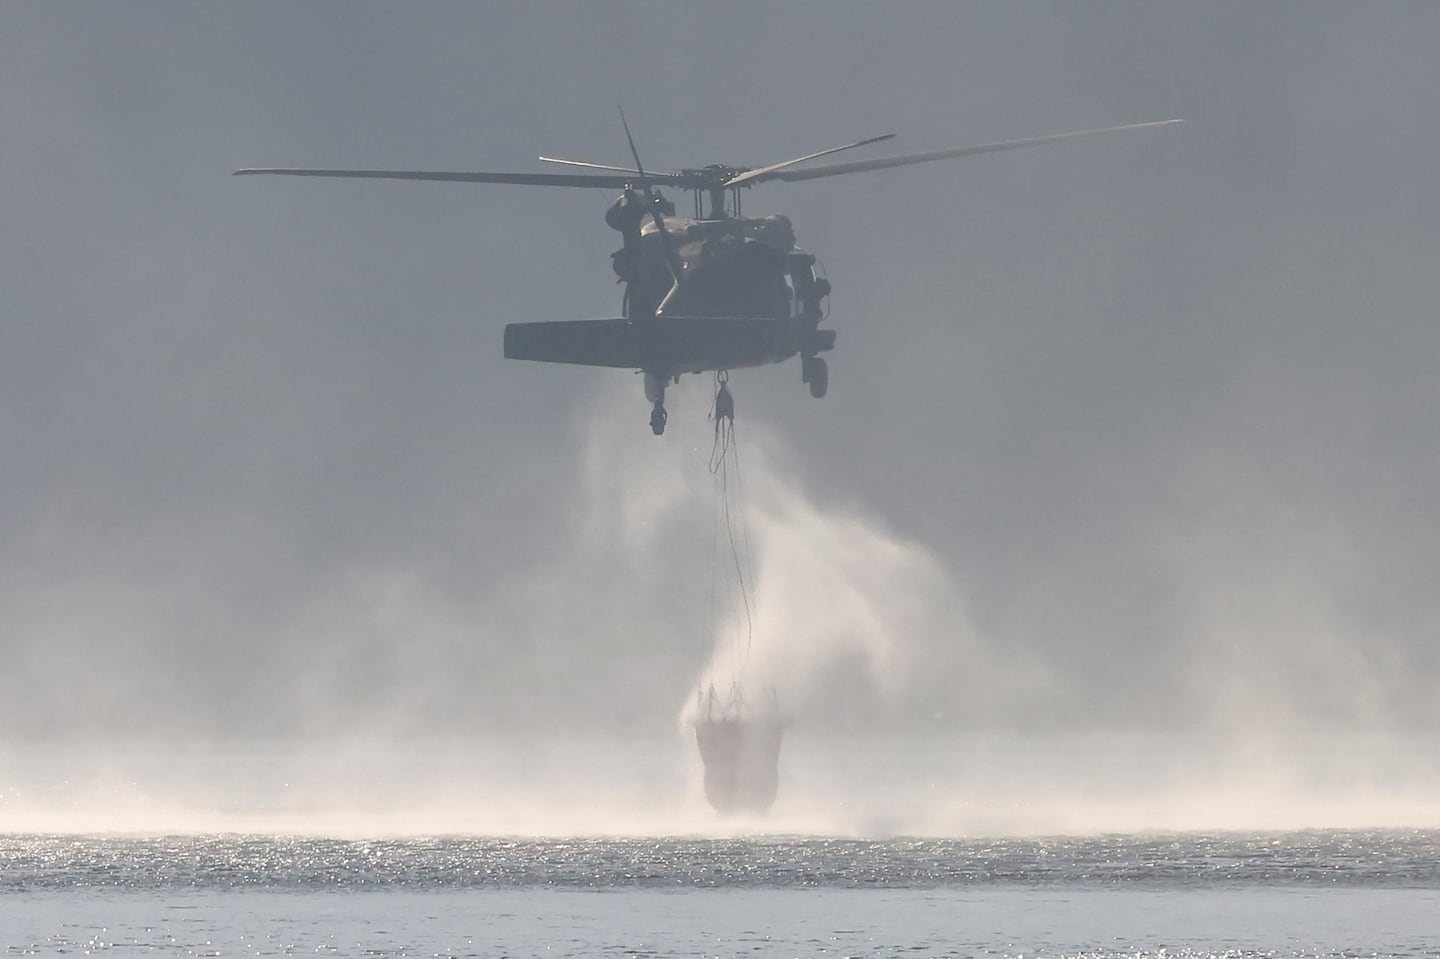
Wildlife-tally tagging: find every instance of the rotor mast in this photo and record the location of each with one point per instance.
(716, 187)
(717, 202)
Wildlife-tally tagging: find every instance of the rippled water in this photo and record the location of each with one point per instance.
(1379, 859)
(1293, 894)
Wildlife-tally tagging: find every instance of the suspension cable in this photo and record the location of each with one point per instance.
(724, 457)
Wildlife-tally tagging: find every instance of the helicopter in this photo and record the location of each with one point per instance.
(716, 291)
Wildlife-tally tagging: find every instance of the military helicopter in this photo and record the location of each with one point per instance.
(714, 292)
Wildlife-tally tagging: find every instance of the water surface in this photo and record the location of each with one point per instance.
(1318, 893)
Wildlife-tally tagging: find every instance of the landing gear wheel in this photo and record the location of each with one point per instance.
(657, 419)
(817, 374)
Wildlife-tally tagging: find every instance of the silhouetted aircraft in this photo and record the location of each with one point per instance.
(716, 291)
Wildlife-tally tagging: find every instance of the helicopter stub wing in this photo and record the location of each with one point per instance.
(663, 345)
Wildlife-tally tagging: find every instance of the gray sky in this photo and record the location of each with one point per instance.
(1124, 433)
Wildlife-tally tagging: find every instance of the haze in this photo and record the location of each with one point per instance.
(1119, 514)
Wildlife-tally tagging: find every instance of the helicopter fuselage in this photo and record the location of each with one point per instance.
(701, 295)
(738, 268)
(717, 292)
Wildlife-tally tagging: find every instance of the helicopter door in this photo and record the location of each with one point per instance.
(797, 305)
(800, 278)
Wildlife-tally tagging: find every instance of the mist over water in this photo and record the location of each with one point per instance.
(835, 614)
(907, 718)
(1117, 516)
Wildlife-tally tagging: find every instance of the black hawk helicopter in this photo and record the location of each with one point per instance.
(714, 292)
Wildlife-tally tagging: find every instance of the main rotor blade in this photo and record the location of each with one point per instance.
(750, 176)
(633, 152)
(521, 179)
(907, 159)
(653, 198)
(589, 166)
